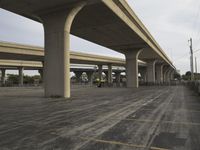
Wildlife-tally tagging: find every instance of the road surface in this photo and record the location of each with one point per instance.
(148, 118)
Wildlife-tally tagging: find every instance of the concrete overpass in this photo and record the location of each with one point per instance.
(31, 57)
(77, 69)
(14, 51)
(112, 24)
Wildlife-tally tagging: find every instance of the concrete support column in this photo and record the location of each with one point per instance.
(118, 78)
(169, 75)
(143, 73)
(132, 68)
(21, 76)
(40, 71)
(172, 75)
(78, 75)
(151, 71)
(166, 72)
(159, 73)
(57, 27)
(100, 69)
(3, 77)
(110, 79)
(90, 76)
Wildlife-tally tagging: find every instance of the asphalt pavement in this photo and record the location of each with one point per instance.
(148, 118)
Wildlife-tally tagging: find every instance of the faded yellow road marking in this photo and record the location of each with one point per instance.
(120, 143)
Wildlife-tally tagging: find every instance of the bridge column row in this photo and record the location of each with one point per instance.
(20, 71)
(156, 73)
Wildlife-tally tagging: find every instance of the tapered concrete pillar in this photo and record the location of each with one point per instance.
(143, 73)
(90, 76)
(118, 78)
(132, 68)
(169, 75)
(151, 71)
(40, 71)
(78, 75)
(3, 77)
(110, 79)
(57, 26)
(172, 75)
(100, 69)
(165, 72)
(21, 76)
(159, 73)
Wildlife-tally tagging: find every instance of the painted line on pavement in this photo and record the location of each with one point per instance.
(120, 143)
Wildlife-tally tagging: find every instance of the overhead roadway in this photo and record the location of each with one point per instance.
(117, 28)
(36, 65)
(109, 23)
(13, 52)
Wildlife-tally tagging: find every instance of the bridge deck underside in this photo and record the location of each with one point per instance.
(95, 23)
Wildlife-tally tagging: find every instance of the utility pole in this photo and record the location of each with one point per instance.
(196, 70)
(191, 60)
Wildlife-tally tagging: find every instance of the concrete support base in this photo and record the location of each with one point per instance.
(132, 68)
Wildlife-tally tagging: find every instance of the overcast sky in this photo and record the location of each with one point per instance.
(170, 22)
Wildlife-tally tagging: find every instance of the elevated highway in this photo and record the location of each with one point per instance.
(25, 53)
(112, 24)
